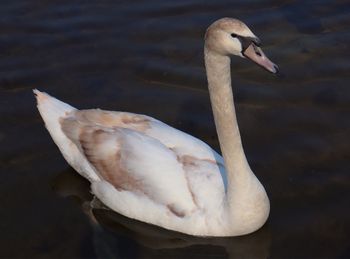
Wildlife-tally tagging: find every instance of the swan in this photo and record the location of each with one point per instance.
(152, 172)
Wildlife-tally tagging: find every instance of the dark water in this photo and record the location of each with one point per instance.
(146, 57)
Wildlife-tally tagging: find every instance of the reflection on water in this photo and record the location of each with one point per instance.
(147, 57)
(115, 235)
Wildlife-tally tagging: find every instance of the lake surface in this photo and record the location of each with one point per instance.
(147, 57)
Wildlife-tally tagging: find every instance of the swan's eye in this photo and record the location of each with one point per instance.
(233, 35)
(257, 41)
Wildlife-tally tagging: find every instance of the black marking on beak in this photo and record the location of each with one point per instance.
(247, 41)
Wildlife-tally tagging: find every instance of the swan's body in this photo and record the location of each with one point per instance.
(147, 170)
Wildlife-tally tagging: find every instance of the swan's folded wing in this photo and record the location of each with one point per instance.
(181, 143)
(134, 162)
(184, 143)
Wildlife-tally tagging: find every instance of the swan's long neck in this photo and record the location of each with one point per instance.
(219, 83)
(247, 203)
(237, 167)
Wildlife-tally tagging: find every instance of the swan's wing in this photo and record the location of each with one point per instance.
(134, 162)
(169, 136)
(183, 144)
(185, 155)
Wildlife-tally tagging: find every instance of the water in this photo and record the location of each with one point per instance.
(146, 57)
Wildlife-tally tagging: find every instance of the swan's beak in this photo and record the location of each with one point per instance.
(255, 54)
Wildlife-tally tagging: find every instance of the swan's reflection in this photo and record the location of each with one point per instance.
(119, 236)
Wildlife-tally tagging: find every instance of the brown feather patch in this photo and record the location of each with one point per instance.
(188, 160)
(108, 165)
(114, 119)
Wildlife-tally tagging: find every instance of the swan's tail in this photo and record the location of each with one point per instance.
(52, 110)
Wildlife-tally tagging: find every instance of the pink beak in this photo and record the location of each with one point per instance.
(255, 54)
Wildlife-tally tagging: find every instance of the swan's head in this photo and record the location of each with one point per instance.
(229, 36)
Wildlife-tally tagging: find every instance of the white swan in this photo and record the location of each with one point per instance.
(149, 171)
